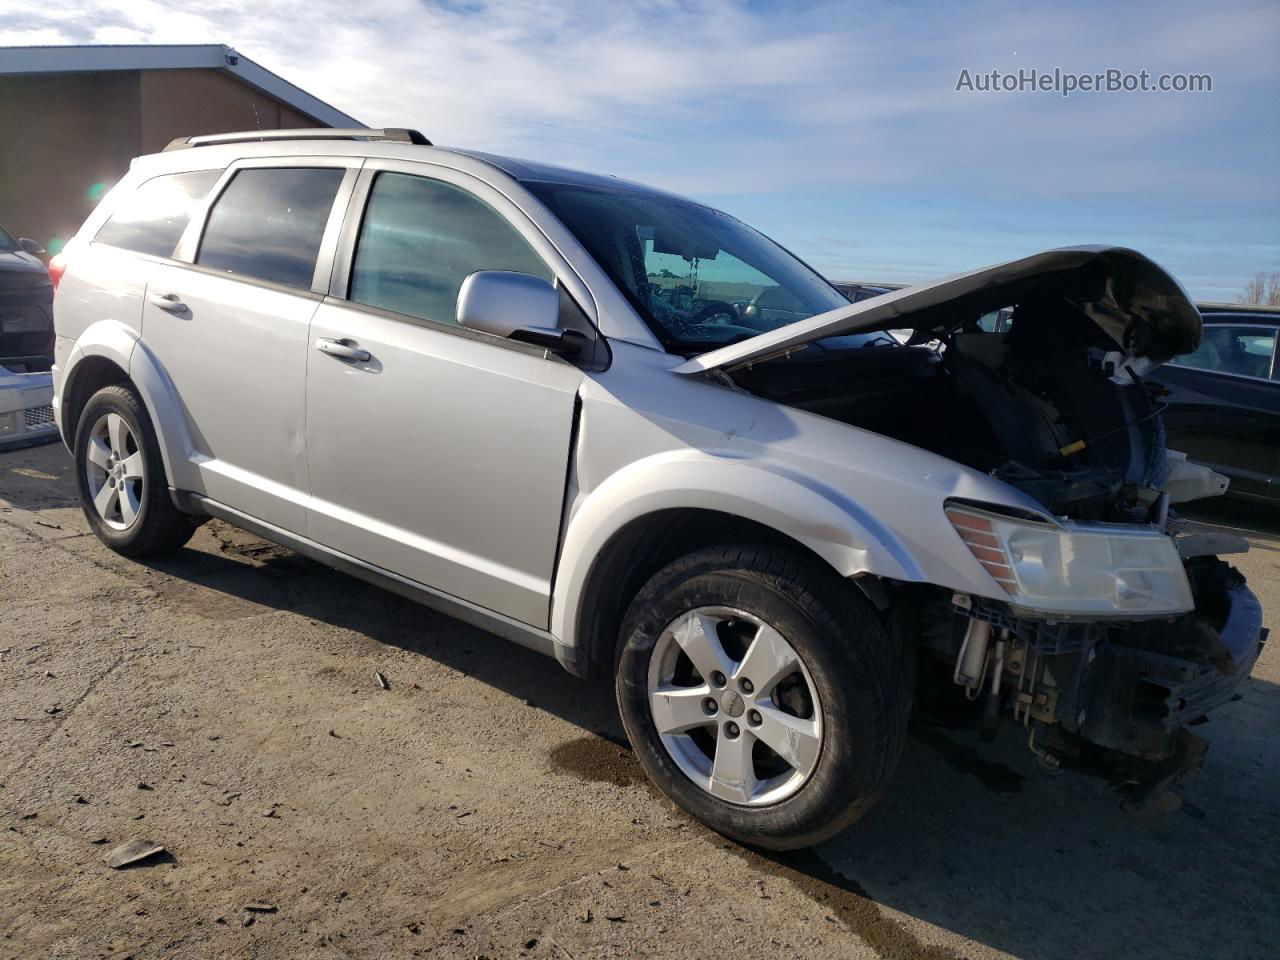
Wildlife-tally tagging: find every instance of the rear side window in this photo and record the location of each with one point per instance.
(152, 218)
(421, 238)
(268, 223)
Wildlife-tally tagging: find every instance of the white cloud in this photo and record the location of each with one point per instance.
(717, 97)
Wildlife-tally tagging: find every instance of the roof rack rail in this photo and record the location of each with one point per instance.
(386, 135)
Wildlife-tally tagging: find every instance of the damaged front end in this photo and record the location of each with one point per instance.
(1112, 625)
(1113, 698)
(1111, 641)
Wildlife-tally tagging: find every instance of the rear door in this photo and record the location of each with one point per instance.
(230, 328)
(442, 457)
(1224, 408)
(108, 266)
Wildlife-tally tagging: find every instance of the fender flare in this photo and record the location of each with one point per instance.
(825, 520)
(105, 339)
(117, 342)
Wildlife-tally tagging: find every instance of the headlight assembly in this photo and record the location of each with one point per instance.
(1075, 569)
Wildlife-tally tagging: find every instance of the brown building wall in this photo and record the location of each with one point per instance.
(181, 103)
(65, 137)
(60, 135)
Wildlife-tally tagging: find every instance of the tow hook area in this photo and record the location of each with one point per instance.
(1183, 764)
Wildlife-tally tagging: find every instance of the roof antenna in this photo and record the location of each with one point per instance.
(256, 119)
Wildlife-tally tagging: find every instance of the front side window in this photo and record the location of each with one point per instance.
(421, 238)
(7, 243)
(268, 223)
(152, 218)
(700, 278)
(1245, 350)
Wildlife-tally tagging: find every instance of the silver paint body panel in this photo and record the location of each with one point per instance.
(442, 459)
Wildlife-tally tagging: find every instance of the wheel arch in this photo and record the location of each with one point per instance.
(89, 374)
(655, 511)
(109, 352)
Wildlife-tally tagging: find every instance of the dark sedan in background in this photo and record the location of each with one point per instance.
(26, 306)
(1224, 399)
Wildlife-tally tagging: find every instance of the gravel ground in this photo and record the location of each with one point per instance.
(223, 703)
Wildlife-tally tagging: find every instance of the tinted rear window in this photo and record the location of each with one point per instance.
(268, 223)
(152, 218)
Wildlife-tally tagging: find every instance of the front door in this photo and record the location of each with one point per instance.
(1224, 409)
(437, 453)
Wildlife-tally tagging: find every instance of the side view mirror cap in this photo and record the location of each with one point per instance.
(29, 245)
(515, 306)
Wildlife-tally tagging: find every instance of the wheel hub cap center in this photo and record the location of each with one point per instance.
(732, 704)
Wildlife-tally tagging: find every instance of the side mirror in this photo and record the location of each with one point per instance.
(29, 245)
(515, 306)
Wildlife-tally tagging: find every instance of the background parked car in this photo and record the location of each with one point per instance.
(26, 305)
(26, 409)
(1224, 402)
(26, 345)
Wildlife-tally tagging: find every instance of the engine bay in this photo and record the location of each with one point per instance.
(1041, 404)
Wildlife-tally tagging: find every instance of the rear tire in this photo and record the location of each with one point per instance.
(123, 488)
(839, 716)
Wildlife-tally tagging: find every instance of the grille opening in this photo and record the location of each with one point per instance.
(36, 418)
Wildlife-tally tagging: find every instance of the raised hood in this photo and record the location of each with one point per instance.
(1135, 303)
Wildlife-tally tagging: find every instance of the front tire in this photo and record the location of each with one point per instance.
(761, 693)
(123, 489)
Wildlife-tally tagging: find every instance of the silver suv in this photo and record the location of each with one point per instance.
(631, 432)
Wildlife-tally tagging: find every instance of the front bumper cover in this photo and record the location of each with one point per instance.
(1139, 697)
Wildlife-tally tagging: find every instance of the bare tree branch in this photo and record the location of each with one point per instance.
(1264, 288)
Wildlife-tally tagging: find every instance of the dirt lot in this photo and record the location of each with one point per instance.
(223, 703)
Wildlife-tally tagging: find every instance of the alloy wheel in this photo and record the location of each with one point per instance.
(115, 471)
(735, 706)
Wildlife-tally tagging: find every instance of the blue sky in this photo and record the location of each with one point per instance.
(834, 127)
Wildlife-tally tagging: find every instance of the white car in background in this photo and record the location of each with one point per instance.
(26, 345)
(771, 531)
(26, 408)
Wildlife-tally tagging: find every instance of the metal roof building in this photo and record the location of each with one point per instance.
(72, 117)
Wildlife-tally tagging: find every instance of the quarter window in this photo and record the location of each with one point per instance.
(152, 218)
(421, 238)
(1245, 350)
(268, 223)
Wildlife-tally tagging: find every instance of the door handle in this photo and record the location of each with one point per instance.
(342, 350)
(168, 302)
